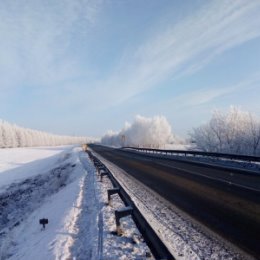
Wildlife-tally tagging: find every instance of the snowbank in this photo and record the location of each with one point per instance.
(60, 183)
(49, 184)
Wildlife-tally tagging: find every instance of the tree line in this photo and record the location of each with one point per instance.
(12, 136)
(236, 132)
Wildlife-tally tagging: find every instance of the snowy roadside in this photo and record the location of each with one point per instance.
(52, 194)
(107, 245)
(184, 237)
(96, 237)
(67, 192)
(130, 245)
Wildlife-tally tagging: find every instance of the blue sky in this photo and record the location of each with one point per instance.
(83, 67)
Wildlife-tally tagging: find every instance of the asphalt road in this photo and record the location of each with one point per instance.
(231, 210)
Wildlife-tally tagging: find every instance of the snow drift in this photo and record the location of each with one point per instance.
(143, 132)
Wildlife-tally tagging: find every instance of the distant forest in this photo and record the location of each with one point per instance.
(12, 136)
(236, 132)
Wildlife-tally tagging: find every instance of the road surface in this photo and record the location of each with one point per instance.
(231, 210)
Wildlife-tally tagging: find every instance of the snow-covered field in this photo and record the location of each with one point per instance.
(61, 184)
(19, 163)
(39, 183)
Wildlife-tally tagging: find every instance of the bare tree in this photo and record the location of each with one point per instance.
(234, 132)
(254, 128)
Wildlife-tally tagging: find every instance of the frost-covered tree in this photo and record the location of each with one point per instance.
(254, 137)
(14, 136)
(143, 132)
(1, 134)
(236, 132)
(4, 136)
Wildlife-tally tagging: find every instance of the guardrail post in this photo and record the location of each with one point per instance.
(97, 163)
(102, 174)
(120, 213)
(111, 192)
(90, 155)
(101, 168)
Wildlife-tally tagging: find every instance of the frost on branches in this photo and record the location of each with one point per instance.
(235, 132)
(14, 136)
(143, 132)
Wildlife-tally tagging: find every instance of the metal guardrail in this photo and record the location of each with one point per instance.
(157, 247)
(196, 153)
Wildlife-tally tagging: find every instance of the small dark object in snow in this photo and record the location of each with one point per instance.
(43, 222)
(17, 224)
(148, 254)
(133, 241)
(73, 165)
(113, 233)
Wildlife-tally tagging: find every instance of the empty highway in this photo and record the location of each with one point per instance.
(231, 209)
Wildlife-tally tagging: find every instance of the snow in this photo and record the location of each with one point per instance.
(62, 185)
(20, 163)
(54, 194)
(130, 245)
(54, 242)
(179, 146)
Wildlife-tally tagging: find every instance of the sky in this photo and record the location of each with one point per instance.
(83, 67)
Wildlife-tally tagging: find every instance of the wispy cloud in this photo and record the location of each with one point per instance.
(184, 47)
(36, 46)
(44, 44)
(202, 96)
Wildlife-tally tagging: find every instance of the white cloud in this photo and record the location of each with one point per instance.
(37, 48)
(184, 47)
(37, 40)
(202, 96)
